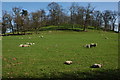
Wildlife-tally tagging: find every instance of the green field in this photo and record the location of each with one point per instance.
(45, 58)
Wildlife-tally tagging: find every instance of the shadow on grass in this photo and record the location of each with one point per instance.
(90, 75)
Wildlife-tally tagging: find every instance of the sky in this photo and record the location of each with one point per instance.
(34, 6)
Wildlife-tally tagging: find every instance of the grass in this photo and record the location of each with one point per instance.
(45, 59)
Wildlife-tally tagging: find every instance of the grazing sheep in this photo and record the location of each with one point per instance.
(41, 36)
(29, 37)
(29, 43)
(33, 43)
(96, 66)
(106, 37)
(68, 62)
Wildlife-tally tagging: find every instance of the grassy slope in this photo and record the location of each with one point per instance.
(45, 58)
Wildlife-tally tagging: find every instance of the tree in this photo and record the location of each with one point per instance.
(97, 19)
(25, 19)
(80, 15)
(88, 12)
(73, 14)
(7, 22)
(106, 18)
(18, 21)
(54, 12)
(113, 18)
(38, 19)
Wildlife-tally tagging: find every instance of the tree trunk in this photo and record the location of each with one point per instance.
(85, 24)
(105, 26)
(113, 26)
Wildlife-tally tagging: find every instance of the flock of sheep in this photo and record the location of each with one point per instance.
(93, 66)
(26, 44)
(88, 46)
(68, 62)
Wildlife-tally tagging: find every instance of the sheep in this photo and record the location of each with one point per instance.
(90, 45)
(87, 45)
(41, 36)
(68, 62)
(33, 43)
(24, 45)
(21, 45)
(96, 65)
(106, 37)
(93, 44)
(29, 37)
(29, 43)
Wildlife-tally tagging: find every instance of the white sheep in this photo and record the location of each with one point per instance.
(68, 62)
(33, 43)
(21, 45)
(41, 36)
(24, 45)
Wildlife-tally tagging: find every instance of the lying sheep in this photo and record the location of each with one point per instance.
(24, 45)
(87, 45)
(96, 66)
(91, 45)
(68, 62)
(21, 45)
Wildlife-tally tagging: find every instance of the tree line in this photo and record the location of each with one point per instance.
(20, 20)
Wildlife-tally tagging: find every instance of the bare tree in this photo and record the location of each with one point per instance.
(106, 18)
(97, 19)
(80, 15)
(54, 12)
(88, 12)
(7, 22)
(18, 21)
(25, 19)
(73, 14)
(113, 19)
(38, 19)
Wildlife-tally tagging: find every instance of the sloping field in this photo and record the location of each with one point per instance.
(45, 58)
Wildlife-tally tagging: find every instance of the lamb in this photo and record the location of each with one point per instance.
(96, 66)
(68, 62)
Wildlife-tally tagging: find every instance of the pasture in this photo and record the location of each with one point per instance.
(45, 58)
